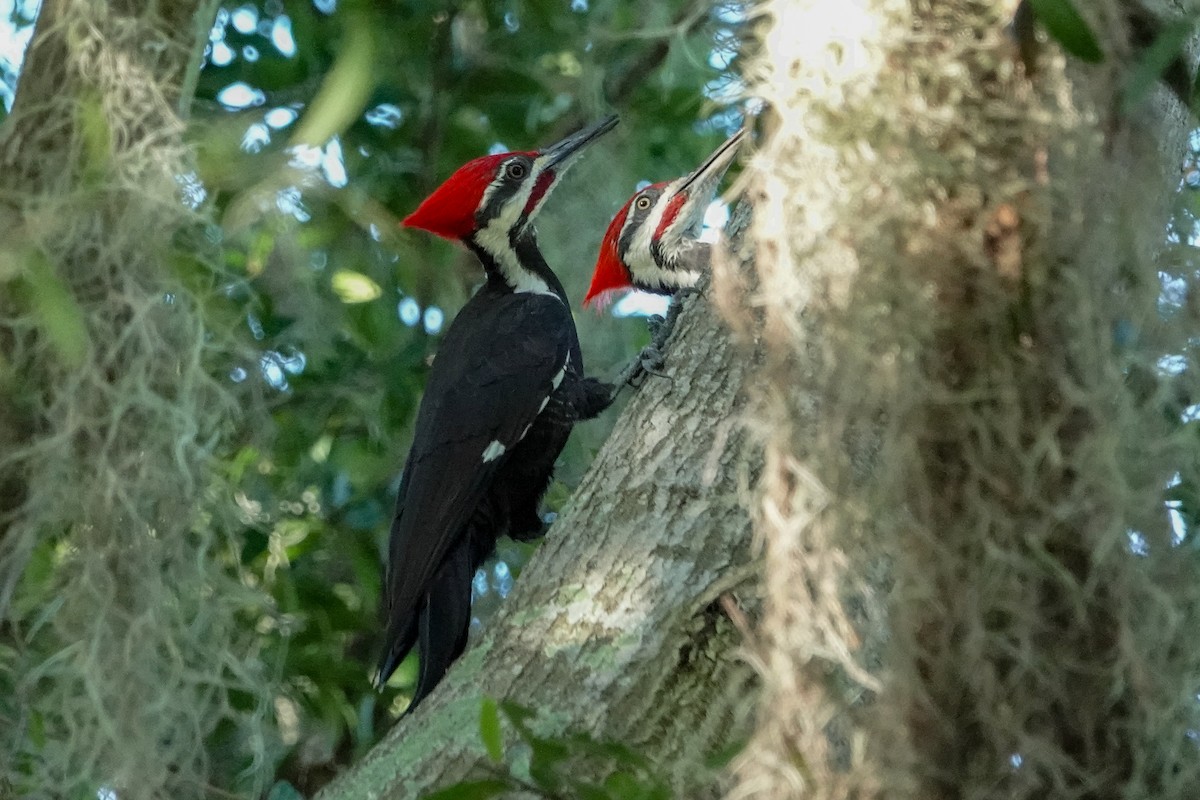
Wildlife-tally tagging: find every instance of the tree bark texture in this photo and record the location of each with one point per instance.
(971, 588)
(615, 628)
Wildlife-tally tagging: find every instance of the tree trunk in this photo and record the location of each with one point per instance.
(120, 638)
(969, 430)
(615, 628)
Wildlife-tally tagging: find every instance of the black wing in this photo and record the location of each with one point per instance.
(501, 359)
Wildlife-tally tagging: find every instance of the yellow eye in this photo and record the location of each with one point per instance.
(642, 203)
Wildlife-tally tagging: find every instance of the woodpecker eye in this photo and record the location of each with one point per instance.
(642, 203)
(515, 170)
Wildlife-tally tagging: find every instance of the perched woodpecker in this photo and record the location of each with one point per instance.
(651, 243)
(504, 390)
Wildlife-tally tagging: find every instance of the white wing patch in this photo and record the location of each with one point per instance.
(493, 451)
(557, 380)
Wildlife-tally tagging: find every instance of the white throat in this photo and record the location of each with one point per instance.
(494, 237)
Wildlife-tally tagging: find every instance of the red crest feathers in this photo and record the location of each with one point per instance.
(610, 273)
(450, 211)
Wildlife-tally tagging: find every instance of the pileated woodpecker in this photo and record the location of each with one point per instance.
(651, 243)
(504, 391)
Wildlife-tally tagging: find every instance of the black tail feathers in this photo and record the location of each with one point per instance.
(440, 625)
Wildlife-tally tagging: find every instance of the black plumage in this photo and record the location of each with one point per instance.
(492, 386)
(505, 389)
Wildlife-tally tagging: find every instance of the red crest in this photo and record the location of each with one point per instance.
(610, 273)
(450, 211)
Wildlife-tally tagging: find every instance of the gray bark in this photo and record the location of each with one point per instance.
(614, 629)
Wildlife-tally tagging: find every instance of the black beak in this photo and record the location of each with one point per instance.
(558, 154)
(709, 174)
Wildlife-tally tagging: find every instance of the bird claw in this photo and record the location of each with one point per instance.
(630, 376)
(650, 360)
(661, 327)
(654, 323)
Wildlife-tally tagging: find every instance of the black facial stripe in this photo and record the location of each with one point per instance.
(499, 196)
(656, 252)
(637, 218)
(504, 191)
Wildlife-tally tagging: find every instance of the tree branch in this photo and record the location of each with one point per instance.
(614, 629)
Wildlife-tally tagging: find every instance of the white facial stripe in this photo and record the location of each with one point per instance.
(494, 451)
(639, 255)
(648, 273)
(493, 237)
(491, 188)
(673, 236)
(640, 261)
(639, 245)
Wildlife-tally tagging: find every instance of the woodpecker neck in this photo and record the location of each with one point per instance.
(666, 270)
(515, 264)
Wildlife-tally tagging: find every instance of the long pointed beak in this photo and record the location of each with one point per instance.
(709, 174)
(561, 153)
(688, 197)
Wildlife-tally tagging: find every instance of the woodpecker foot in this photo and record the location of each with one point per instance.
(632, 375)
(660, 327)
(648, 362)
(652, 361)
(654, 323)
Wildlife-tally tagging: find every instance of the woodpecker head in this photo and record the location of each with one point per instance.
(651, 242)
(496, 197)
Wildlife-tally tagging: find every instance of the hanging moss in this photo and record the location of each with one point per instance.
(120, 646)
(972, 585)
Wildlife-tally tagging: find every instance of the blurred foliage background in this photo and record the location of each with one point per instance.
(317, 125)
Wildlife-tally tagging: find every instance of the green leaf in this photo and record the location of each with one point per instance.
(623, 785)
(489, 729)
(471, 790)
(346, 89)
(354, 287)
(519, 716)
(1165, 48)
(617, 752)
(1065, 26)
(545, 757)
(37, 580)
(59, 315)
(37, 729)
(588, 791)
